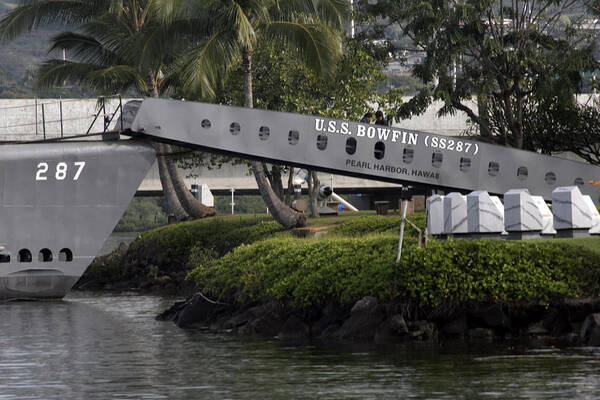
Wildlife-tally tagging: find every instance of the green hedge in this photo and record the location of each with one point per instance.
(170, 246)
(446, 273)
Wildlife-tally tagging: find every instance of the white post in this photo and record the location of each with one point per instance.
(404, 207)
(232, 202)
(352, 21)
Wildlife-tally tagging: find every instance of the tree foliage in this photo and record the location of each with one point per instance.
(504, 52)
(284, 83)
(550, 127)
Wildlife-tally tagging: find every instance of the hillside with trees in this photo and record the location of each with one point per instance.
(20, 59)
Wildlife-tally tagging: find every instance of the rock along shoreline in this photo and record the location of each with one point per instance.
(573, 322)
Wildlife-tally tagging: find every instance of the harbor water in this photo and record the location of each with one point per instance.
(107, 346)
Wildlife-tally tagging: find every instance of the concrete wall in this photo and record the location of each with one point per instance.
(21, 119)
(429, 121)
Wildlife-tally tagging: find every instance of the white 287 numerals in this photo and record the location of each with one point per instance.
(60, 172)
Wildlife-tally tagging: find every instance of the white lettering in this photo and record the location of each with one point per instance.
(412, 138)
(344, 129)
(371, 132)
(361, 130)
(61, 171)
(80, 165)
(331, 127)
(383, 133)
(319, 124)
(404, 137)
(395, 135)
(42, 169)
(443, 143)
(434, 142)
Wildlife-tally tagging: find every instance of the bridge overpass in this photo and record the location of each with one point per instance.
(35, 119)
(237, 177)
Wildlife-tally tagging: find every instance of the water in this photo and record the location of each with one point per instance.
(109, 347)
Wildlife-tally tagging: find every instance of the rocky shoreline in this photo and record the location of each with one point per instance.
(571, 322)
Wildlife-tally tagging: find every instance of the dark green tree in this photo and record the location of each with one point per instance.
(502, 52)
(550, 127)
(285, 84)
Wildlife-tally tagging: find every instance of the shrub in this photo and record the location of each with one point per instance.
(170, 246)
(446, 273)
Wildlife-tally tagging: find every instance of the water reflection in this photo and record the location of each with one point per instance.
(107, 346)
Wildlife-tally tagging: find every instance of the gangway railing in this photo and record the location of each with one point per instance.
(56, 117)
(108, 118)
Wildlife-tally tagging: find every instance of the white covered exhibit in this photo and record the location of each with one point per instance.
(520, 215)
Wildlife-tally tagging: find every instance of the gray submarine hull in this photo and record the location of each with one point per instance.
(58, 204)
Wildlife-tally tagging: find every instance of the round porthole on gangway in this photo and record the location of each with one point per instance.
(522, 173)
(321, 142)
(205, 124)
(408, 155)
(351, 146)
(379, 150)
(579, 182)
(293, 137)
(493, 168)
(264, 132)
(550, 178)
(437, 159)
(234, 128)
(465, 164)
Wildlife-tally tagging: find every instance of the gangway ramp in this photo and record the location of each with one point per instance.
(389, 154)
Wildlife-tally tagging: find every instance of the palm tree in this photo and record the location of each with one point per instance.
(119, 45)
(232, 29)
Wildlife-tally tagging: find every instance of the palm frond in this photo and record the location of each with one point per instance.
(204, 66)
(317, 45)
(34, 13)
(333, 12)
(239, 21)
(84, 48)
(113, 35)
(105, 80)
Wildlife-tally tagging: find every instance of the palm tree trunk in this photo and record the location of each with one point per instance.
(275, 179)
(192, 206)
(281, 212)
(290, 188)
(173, 203)
(181, 202)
